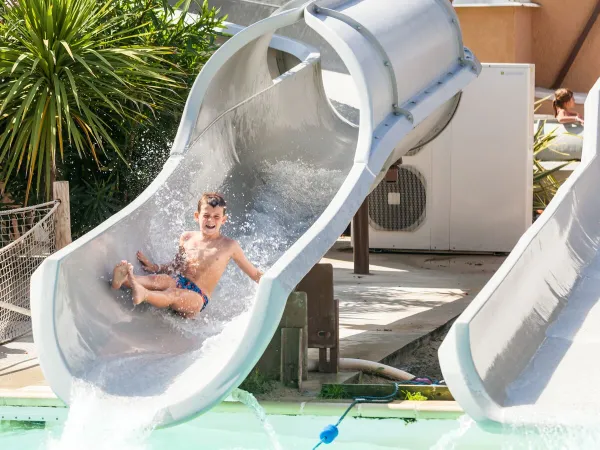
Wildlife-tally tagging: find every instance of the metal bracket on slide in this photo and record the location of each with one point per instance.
(403, 112)
(375, 43)
(468, 60)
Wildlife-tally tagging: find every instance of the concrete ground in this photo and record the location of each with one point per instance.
(405, 297)
(19, 366)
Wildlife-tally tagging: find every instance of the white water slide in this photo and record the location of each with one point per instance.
(259, 128)
(525, 351)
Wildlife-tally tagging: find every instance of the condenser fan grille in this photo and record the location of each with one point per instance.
(399, 205)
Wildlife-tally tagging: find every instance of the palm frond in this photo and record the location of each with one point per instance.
(66, 77)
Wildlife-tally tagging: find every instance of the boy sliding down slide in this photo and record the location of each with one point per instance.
(186, 284)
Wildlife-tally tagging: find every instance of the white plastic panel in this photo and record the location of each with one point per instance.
(440, 199)
(477, 171)
(492, 160)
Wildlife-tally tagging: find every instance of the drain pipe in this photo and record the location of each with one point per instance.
(362, 365)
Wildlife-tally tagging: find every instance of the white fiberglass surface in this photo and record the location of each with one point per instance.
(566, 354)
(278, 157)
(532, 332)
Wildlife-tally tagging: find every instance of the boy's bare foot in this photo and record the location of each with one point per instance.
(138, 291)
(119, 275)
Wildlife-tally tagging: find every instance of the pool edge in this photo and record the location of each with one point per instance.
(35, 404)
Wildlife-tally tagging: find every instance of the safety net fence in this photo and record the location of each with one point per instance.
(27, 236)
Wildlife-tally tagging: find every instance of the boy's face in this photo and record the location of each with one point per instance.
(210, 219)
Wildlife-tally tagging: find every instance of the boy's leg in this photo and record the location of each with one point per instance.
(152, 282)
(187, 303)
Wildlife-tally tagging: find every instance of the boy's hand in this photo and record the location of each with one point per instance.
(147, 265)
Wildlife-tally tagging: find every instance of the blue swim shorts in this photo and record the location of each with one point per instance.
(184, 283)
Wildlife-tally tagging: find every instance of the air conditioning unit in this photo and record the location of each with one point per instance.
(470, 189)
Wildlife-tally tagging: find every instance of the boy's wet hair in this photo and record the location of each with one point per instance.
(213, 199)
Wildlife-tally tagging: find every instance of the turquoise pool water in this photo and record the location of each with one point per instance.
(236, 431)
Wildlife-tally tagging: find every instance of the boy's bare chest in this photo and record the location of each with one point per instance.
(203, 257)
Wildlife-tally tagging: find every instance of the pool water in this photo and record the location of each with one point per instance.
(237, 431)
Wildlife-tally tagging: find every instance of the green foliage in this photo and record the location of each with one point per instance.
(99, 191)
(71, 72)
(94, 192)
(147, 147)
(123, 118)
(164, 25)
(414, 396)
(257, 383)
(16, 188)
(333, 391)
(545, 185)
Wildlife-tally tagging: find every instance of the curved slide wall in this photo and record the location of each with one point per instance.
(293, 172)
(516, 353)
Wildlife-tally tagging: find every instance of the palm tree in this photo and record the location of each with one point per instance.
(70, 72)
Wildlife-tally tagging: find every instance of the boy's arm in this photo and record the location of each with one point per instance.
(172, 266)
(165, 268)
(243, 263)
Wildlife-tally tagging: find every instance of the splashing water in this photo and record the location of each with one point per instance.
(250, 401)
(98, 421)
(148, 383)
(273, 198)
(449, 440)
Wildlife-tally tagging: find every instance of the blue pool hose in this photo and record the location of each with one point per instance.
(330, 432)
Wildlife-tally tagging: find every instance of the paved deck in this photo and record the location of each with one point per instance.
(19, 366)
(405, 297)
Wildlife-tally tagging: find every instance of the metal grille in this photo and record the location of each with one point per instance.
(399, 205)
(27, 237)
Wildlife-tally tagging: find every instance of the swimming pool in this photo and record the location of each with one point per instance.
(244, 431)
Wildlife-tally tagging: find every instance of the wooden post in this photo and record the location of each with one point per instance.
(15, 229)
(360, 234)
(294, 316)
(292, 357)
(62, 216)
(334, 353)
(323, 329)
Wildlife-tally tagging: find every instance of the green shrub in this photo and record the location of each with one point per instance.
(70, 74)
(93, 93)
